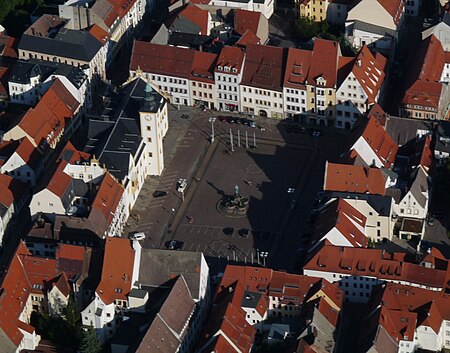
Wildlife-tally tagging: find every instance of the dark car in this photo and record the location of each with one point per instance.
(228, 231)
(159, 193)
(244, 232)
(175, 245)
(185, 116)
(222, 119)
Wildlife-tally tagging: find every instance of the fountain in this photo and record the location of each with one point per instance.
(235, 206)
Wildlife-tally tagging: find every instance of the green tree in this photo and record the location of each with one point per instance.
(90, 342)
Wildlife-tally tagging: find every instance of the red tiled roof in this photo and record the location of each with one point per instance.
(427, 158)
(49, 115)
(246, 20)
(198, 16)
(108, 197)
(15, 291)
(394, 8)
(423, 93)
(297, 68)
(378, 113)
(59, 181)
(203, 66)
(343, 217)
(369, 70)
(380, 142)
(162, 59)
(116, 275)
(4, 75)
(29, 154)
(376, 264)
(405, 308)
(231, 57)
(324, 62)
(424, 86)
(354, 178)
(248, 38)
(100, 34)
(264, 67)
(6, 196)
(9, 44)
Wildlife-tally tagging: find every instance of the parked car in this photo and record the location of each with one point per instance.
(431, 221)
(138, 236)
(244, 232)
(252, 124)
(222, 119)
(185, 116)
(228, 231)
(159, 193)
(316, 133)
(175, 245)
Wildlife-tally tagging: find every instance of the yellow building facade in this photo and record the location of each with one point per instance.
(316, 10)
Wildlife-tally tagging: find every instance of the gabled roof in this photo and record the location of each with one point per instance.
(264, 67)
(231, 57)
(49, 36)
(393, 7)
(246, 21)
(379, 141)
(405, 308)
(344, 218)
(106, 201)
(297, 68)
(324, 62)
(354, 178)
(116, 275)
(369, 70)
(376, 263)
(10, 190)
(48, 117)
(15, 291)
(198, 16)
(419, 187)
(203, 66)
(427, 157)
(162, 59)
(29, 154)
(248, 38)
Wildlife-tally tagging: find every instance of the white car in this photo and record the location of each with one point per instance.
(138, 236)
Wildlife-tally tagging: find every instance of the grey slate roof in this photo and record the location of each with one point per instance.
(184, 25)
(158, 266)
(23, 70)
(403, 130)
(381, 204)
(371, 28)
(48, 36)
(250, 299)
(114, 135)
(420, 185)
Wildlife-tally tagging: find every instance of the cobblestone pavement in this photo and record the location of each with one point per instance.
(284, 158)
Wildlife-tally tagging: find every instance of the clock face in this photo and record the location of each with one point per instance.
(147, 117)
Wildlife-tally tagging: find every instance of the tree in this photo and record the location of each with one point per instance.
(90, 342)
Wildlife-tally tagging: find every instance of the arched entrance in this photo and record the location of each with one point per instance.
(263, 113)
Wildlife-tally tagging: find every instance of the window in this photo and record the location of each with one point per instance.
(150, 154)
(149, 139)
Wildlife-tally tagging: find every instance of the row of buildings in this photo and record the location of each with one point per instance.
(319, 86)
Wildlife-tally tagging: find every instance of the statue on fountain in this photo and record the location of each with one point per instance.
(235, 206)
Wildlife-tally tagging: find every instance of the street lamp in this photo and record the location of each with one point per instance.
(263, 255)
(291, 192)
(212, 119)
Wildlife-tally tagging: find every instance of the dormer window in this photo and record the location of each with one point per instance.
(219, 68)
(234, 70)
(226, 69)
